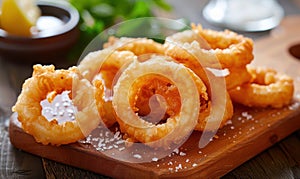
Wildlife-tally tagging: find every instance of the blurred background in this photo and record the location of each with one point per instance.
(253, 18)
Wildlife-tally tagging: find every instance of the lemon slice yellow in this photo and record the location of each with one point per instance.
(19, 16)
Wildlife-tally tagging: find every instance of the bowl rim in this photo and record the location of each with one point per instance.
(68, 26)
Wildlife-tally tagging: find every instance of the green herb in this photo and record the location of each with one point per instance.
(97, 15)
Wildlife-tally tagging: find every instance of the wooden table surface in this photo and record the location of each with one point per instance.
(282, 160)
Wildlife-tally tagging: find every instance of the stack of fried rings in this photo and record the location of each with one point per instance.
(107, 71)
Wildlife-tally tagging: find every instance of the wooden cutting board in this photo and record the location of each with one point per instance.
(250, 132)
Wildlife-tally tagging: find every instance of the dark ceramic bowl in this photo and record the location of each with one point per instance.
(47, 45)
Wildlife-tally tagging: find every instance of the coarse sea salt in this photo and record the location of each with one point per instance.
(137, 156)
(154, 159)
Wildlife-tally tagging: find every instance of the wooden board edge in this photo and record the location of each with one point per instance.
(268, 138)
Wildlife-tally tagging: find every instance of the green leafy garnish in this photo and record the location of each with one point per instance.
(97, 15)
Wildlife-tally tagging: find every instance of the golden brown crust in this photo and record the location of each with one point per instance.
(268, 88)
(45, 80)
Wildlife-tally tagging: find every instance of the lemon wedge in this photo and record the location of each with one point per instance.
(19, 16)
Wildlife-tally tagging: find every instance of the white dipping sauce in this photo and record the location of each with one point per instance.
(48, 22)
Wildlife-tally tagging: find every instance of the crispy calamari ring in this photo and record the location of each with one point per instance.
(195, 58)
(232, 49)
(46, 79)
(104, 65)
(149, 86)
(268, 88)
(139, 46)
(177, 128)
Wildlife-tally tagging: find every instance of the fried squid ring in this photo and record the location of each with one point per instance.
(232, 49)
(104, 65)
(194, 57)
(177, 128)
(268, 88)
(139, 46)
(149, 86)
(46, 79)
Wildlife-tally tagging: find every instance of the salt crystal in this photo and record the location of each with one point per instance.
(229, 122)
(71, 111)
(122, 148)
(107, 134)
(154, 159)
(182, 154)
(187, 160)
(137, 156)
(116, 136)
(61, 113)
(179, 166)
(244, 114)
(176, 151)
(66, 104)
(120, 142)
(54, 113)
(194, 165)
